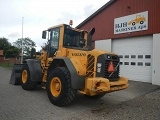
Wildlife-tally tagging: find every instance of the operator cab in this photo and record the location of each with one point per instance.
(68, 37)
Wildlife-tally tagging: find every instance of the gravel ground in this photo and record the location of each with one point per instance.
(145, 107)
(141, 101)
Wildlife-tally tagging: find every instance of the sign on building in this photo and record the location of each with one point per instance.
(131, 23)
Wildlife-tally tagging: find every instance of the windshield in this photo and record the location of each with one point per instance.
(73, 38)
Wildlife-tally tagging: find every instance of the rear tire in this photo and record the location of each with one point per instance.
(26, 83)
(95, 97)
(59, 88)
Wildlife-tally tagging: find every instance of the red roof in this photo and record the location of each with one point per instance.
(1, 52)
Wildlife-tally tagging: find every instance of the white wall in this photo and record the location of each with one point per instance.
(156, 60)
(103, 44)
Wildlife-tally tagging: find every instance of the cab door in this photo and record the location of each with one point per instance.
(54, 41)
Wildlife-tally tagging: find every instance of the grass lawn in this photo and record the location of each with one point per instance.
(7, 65)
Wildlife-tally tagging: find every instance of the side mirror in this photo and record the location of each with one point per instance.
(44, 34)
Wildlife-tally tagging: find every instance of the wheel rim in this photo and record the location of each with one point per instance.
(24, 76)
(55, 86)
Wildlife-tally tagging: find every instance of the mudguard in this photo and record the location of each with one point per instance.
(77, 81)
(35, 70)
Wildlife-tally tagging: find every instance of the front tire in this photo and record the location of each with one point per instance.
(133, 23)
(59, 88)
(141, 22)
(26, 83)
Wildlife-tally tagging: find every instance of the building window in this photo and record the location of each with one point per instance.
(147, 64)
(121, 63)
(126, 56)
(126, 63)
(133, 63)
(140, 63)
(147, 56)
(140, 56)
(133, 56)
(120, 56)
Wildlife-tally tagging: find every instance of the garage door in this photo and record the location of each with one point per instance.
(135, 57)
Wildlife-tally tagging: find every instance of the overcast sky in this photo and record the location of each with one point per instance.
(40, 15)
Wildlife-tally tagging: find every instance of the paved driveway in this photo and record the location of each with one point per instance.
(18, 104)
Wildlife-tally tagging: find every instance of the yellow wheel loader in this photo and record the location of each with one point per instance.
(68, 64)
(139, 20)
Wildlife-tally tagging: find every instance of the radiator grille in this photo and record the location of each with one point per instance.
(90, 66)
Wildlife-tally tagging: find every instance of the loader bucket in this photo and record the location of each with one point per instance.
(16, 74)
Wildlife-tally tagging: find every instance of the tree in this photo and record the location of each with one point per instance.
(33, 53)
(28, 44)
(4, 43)
(11, 52)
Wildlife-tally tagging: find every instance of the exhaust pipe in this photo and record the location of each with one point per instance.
(89, 38)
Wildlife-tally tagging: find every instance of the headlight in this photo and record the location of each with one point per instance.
(108, 57)
(99, 65)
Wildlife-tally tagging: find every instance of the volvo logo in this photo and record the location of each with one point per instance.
(79, 54)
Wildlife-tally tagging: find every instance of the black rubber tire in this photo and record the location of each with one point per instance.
(67, 94)
(28, 85)
(141, 22)
(133, 23)
(95, 97)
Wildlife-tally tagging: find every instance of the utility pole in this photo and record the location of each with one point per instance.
(22, 43)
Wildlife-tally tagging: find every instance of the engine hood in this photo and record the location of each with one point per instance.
(97, 52)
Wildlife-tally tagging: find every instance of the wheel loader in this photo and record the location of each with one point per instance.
(68, 64)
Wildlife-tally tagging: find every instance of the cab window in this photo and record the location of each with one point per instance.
(73, 38)
(54, 41)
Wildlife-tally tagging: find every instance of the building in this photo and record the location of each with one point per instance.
(8, 60)
(130, 28)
